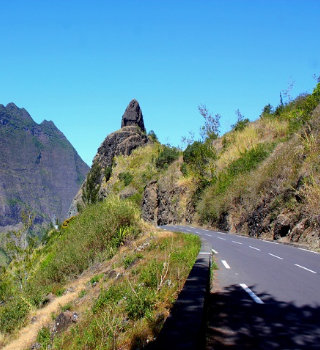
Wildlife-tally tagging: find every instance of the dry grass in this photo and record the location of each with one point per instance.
(261, 131)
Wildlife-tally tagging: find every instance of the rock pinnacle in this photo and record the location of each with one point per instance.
(133, 115)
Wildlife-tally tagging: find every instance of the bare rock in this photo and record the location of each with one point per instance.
(64, 320)
(282, 226)
(133, 116)
(150, 202)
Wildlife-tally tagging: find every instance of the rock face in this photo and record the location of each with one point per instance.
(39, 169)
(133, 116)
(121, 142)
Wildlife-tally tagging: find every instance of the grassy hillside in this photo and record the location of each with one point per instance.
(266, 175)
(148, 269)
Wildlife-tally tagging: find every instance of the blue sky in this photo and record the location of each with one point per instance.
(79, 63)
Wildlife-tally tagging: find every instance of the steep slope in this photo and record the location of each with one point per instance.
(131, 136)
(40, 170)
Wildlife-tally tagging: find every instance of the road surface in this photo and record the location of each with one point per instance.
(267, 295)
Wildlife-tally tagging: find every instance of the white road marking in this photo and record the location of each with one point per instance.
(221, 238)
(264, 240)
(207, 235)
(307, 250)
(221, 233)
(236, 242)
(276, 256)
(225, 264)
(214, 251)
(254, 248)
(252, 295)
(302, 267)
(205, 253)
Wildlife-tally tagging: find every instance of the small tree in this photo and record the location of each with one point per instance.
(210, 129)
(90, 191)
(241, 123)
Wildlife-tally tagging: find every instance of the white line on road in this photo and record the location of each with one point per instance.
(221, 233)
(276, 256)
(205, 253)
(302, 267)
(221, 238)
(214, 251)
(225, 264)
(250, 292)
(264, 240)
(207, 235)
(307, 250)
(236, 242)
(254, 248)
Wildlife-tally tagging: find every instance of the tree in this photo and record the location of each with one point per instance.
(241, 123)
(210, 129)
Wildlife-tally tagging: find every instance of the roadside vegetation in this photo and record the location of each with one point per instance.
(149, 281)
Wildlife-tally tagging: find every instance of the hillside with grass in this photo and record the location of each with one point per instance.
(104, 279)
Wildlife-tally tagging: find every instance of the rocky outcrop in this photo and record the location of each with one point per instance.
(40, 171)
(121, 142)
(165, 201)
(133, 116)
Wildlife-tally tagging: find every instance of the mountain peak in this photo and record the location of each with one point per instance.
(15, 111)
(133, 115)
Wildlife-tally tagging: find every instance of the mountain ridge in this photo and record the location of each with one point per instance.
(40, 170)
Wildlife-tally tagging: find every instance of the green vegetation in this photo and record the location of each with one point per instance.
(166, 156)
(44, 338)
(126, 177)
(92, 236)
(92, 185)
(133, 307)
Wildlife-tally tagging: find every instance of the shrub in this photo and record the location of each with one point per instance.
(240, 124)
(126, 177)
(152, 136)
(107, 173)
(198, 155)
(92, 185)
(13, 314)
(166, 156)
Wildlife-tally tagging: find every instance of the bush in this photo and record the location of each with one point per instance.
(166, 156)
(107, 173)
(198, 155)
(92, 185)
(126, 177)
(13, 314)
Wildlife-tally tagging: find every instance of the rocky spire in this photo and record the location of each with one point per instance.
(133, 115)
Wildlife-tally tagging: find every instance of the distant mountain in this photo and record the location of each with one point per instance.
(39, 168)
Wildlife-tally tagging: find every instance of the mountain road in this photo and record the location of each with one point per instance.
(266, 295)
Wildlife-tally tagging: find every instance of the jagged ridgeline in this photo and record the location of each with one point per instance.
(122, 142)
(40, 171)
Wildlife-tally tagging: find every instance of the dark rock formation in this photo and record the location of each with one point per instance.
(39, 169)
(133, 116)
(121, 142)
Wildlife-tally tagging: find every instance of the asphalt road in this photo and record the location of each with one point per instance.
(267, 295)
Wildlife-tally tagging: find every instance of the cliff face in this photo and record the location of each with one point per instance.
(121, 142)
(39, 169)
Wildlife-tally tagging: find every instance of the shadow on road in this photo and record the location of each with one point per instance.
(236, 322)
